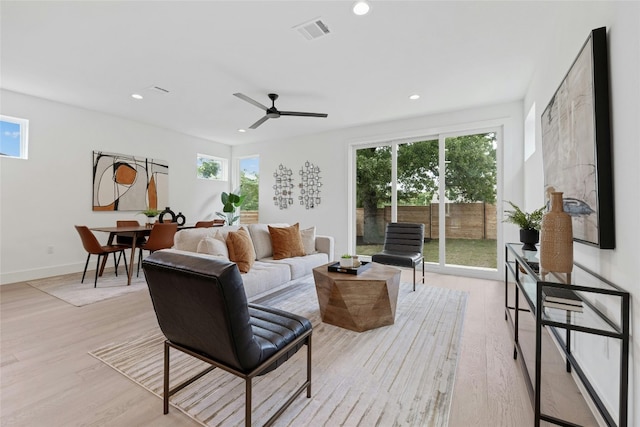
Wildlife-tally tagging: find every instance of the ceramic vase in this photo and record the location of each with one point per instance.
(556, 240)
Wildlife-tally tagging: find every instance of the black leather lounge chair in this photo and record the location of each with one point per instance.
(203, 311)
(403, 245)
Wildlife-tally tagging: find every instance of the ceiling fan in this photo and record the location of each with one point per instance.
(273, 112)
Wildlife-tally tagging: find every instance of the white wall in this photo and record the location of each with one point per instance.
(330, 151)
(622, 20)
(42, 198)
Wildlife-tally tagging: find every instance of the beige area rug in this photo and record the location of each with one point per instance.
(401, 374)
(69, 289)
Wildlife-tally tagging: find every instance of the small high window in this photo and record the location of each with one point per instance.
(13, 137)
(209, 167)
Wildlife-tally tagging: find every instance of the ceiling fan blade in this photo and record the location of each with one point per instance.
(259, 122)
(251, 101)
(299, 113)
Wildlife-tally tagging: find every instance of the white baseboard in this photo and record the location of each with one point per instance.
(39, 273)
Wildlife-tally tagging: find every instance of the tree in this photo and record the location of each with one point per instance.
(470, 175)
(249, 189)
(373, 186)
(209, 169)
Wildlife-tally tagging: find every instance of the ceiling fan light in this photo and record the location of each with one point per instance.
(361, 8)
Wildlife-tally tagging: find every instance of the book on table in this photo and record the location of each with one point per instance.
(568, 307)
(562, 296)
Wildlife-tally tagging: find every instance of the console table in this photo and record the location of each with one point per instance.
(604, 311)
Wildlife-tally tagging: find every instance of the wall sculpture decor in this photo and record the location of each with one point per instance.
(283, 188)
(309, 185)
(576, 144)
(127, 183)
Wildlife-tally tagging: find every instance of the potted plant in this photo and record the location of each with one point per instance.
(529, 224)
(230, 204)
(346, 261)
(150, 214)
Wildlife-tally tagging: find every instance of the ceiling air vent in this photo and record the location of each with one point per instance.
(313, 29)
(158, 90)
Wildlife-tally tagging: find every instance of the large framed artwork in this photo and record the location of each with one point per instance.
(576, 144)
(128, 183)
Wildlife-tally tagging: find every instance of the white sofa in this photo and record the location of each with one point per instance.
(266, 275)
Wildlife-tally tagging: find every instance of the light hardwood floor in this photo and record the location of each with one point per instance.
(47, 378)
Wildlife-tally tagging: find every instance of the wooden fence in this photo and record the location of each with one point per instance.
(249, 217)
(463, 220)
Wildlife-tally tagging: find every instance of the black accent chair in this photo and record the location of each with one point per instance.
(202, 310)
(403, 245)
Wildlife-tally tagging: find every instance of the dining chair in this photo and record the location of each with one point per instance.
(128, 240)
(93, 247)
(403, 247)
(205, 224)
(161, 237)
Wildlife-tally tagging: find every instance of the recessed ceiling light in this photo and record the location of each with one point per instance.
(414, 96)
(242, 130)
(361, 8)
(136, 96)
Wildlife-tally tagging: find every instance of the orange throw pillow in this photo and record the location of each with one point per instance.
(241, 249)
(286, 242)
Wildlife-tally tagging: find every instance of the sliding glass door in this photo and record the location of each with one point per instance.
(470, 200)
(447, 182)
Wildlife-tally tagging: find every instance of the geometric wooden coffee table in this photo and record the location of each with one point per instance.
(358, 302)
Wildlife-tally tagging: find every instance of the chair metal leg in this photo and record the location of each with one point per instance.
(414, 278)
(165, 398)
(86, 264)
(247, 408)
(139, 263)
(309, 366)
(95, 281)
(115, 263)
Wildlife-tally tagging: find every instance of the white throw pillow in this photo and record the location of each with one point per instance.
(262, 239)
(213, 246)
(308, 237)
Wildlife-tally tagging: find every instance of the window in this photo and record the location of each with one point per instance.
(13, 137)
(249, 182)
(209, 167)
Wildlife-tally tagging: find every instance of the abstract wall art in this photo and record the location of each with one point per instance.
(576, 144)
(127, 183)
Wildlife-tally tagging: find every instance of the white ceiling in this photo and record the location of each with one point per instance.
(96, 54)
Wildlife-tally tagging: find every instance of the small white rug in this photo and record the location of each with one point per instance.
(69, 289)
(398, 375)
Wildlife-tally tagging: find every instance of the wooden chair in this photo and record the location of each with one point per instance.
(403, 245)
(161, 237)
(93, 247)
(205, 224)
(202, 311)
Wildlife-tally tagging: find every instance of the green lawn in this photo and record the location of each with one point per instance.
(469, 252)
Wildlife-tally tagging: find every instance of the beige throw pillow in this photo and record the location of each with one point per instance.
(286, 242)
(241, 249)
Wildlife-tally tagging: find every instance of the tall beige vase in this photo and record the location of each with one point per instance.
(556, 240)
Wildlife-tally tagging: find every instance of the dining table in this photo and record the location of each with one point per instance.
(134, 231)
